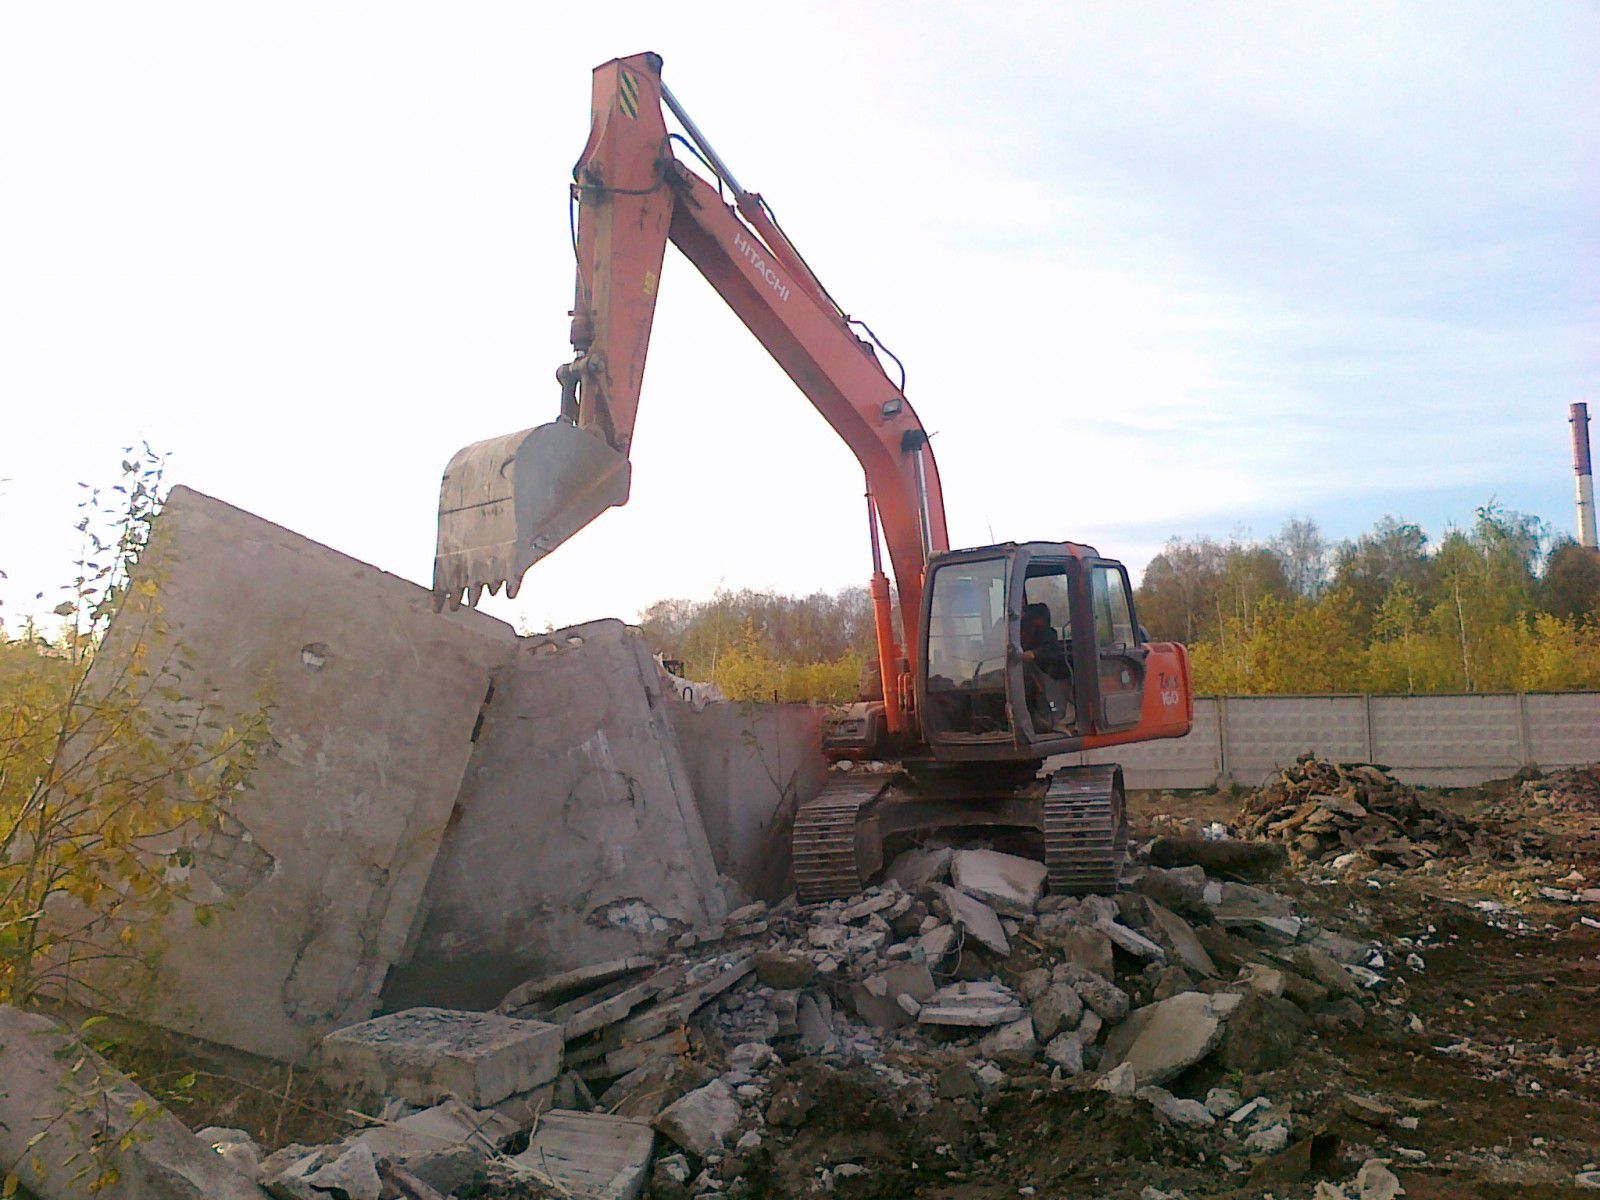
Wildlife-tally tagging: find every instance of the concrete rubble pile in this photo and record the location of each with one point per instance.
(1322, 810)
(956, 976)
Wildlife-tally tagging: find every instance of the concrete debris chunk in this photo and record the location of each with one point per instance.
(1179, 937)
(872, 902)
(1221, 1101)
(443, 1145)
(814, 1018)
(1269, 1139)
(353, 1174)
(937, 942)
(914, 870)
(1261, 926)
(593, 1156)
(425, 1054)
(1134, 943)
(1175, 1110)
(63, 1107)
(1107, 1000)
(1263, 1033)
(1056, 1009)
(1066, 1051)
(972, 1005)
(779, 969)
(974, 918)
(1090, 949)
(701, 1120)
(1121, 1081)
(1171, 1036)
(1374, 1181)
(1258, 977)
(877, 999)
(1329, 971)
(582, 979)
(235, 1145)
(1013, 1043)
(1009, 885)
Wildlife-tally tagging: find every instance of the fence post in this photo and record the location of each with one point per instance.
(1366, 703)
(1523, 741)
(1222, 737)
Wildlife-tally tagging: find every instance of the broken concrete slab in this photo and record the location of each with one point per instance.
(593, 1156)
(1170, 1037)
(1134, 942)
(1057, 1008)
(784, 971)
(1008, 884)
(971, 1005)
(1013, 1044)
(557, 986)
(1179, 936)
(973, 917)
(426, 1054)
(1174, 1109)
(877, 999)
(701, 1120)
(443, 1145)
(1099, 994)
(751, 766)
(1089, 948)
(352, 1172)
(577, 837)
(316, 881)
(915, 869)
(57, 1118)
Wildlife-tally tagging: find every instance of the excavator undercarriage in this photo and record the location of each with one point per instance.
(1076, 817)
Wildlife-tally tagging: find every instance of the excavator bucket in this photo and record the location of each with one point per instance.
(507, 502)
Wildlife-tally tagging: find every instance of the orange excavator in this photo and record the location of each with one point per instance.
(1005, 655)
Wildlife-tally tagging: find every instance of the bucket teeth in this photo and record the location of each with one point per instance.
(506, 502)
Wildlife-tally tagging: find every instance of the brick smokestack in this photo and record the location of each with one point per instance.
(1585, 473)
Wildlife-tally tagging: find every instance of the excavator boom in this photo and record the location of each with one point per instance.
(507, 502)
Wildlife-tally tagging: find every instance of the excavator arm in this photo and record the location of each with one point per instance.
(507, 502)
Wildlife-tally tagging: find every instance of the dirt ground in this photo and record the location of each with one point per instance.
(1483, 1049)
(1481, 1052)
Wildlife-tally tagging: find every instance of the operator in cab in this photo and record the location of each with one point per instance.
(1041, 645)
(1045, 686)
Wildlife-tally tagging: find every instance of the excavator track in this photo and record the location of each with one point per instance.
(1085, 830)
(827, 860)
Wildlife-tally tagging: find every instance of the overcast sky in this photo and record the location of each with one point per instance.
(1153, 268)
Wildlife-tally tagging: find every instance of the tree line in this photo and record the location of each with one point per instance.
(1500, 605)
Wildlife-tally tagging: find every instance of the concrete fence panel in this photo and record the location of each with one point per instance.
(1437, 741)
(1448, 741)
(1563, 728)
(1262, 733)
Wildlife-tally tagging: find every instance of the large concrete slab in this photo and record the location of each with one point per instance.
(594, 1156)
(427, 1054)
(68, 1119)
(751, 766)
(576, 839)
(374, 699)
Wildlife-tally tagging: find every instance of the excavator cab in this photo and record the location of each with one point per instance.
(1031, 650)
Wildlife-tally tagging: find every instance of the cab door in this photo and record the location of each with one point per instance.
(1119, 657)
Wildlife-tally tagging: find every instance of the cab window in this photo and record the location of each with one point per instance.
(1113, 614)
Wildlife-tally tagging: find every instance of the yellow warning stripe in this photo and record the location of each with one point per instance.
(628, 94)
